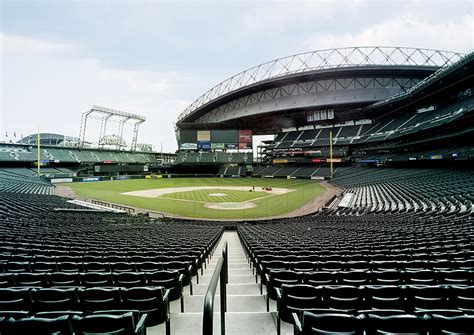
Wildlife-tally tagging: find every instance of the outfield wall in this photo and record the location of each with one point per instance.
(162, 176)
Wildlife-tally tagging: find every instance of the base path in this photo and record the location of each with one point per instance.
(318, 202)
(156, 192)
(310, 207)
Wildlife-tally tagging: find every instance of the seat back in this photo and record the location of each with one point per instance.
(166, 279)
(98, 299)
(15, 299)
(343, 324)
(457, 324)
(62, 279)
(54, 299)
(397, 324)
(129, 279)
(38, 326)
(105, 324)
(343, 297)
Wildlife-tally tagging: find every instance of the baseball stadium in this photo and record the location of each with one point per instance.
(355, 214)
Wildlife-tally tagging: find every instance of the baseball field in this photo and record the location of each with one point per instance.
(213, 198)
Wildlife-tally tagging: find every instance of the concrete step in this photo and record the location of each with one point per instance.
(232, 289)
(233, 279)
(246, 311)
(232, 272)
(239, 266)
(235, 261)
(185, 324)
(235, 303)
(236, 324)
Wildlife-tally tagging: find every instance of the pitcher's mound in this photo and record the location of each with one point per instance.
(230, 205)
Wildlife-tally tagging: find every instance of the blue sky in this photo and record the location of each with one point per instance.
(58, 58)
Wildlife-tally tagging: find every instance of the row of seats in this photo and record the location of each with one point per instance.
(107, 322)
(146, 266)
(71, 265)
(356, 278)
(365, 265)
(153, 301)
(26, 153)
(305, 263)
(10, 182)
(402, 190)
(172, 280)
(373, 322)
(347, 297)
(380, 130)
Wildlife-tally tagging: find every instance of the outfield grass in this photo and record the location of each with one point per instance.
(204, 195)
(191, 203)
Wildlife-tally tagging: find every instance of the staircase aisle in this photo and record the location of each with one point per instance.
(246, 312)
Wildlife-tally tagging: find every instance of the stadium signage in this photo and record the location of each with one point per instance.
(203, 136)
(245, 145)
(90, 179)
(61, 180)
(145, 147)
(217, 146)
(113, 140)
(153, 176)
(204, 145)
(188, 146)
(245, 136)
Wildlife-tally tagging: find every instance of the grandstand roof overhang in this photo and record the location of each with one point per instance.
(445, 80)
(386, 62)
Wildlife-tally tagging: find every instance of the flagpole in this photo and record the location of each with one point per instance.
(39, 154)
(330, 151)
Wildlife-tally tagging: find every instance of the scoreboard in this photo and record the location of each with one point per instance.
(206, 140)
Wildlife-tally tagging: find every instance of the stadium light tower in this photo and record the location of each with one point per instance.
(106, 115)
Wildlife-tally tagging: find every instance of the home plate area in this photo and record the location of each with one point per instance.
(230, 205)
(223, 205)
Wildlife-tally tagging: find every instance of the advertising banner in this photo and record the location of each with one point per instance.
(203, 136)
(123, 177)
(245, 136)
(245, 145)
(188, 146)
(153, 176)
(89, 179)
(61, 180)
(231, 146)
(204, 145)
(217, 146)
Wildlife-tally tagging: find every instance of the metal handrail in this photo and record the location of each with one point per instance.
(220, 272)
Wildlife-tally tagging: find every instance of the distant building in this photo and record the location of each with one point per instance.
(50, 139)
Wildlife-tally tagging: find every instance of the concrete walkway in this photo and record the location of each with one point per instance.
(246, 312)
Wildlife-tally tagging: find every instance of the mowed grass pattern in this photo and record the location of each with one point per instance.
(204, 195)
(305, 191)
